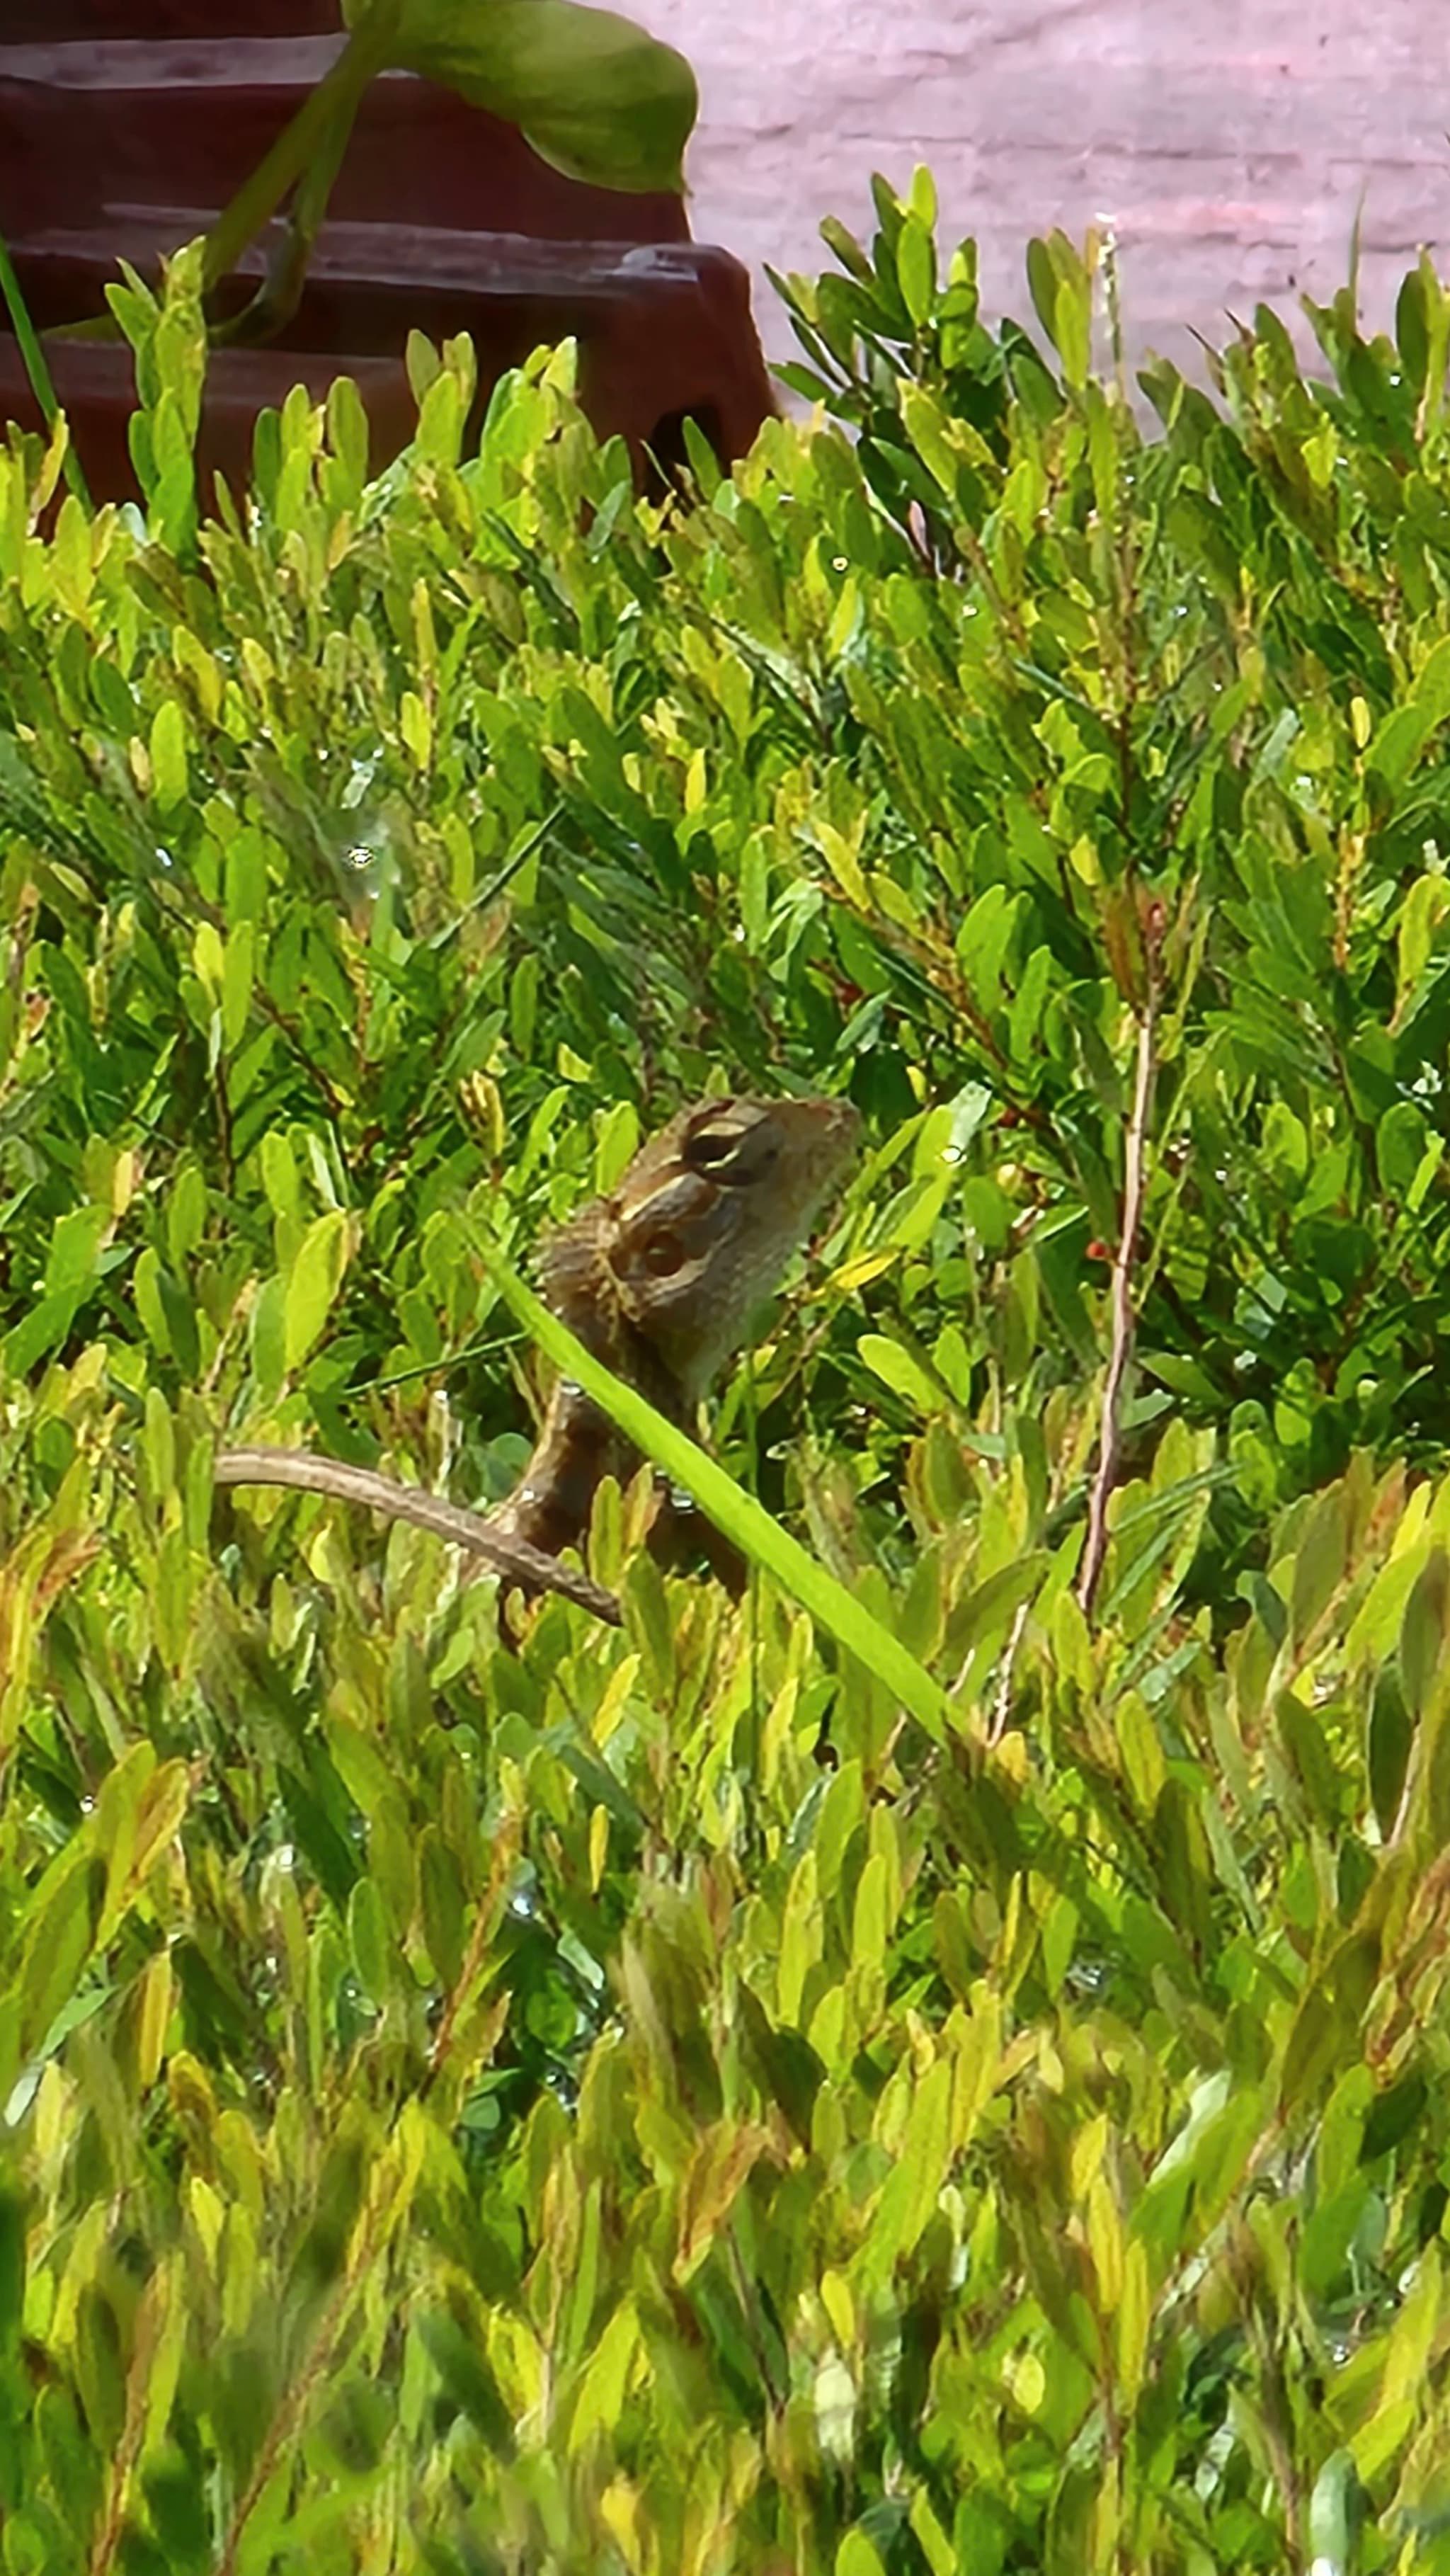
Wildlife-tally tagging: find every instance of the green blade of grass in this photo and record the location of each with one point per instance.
(33, 356)
(737, 1514)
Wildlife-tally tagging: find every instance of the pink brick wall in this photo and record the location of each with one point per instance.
(1230, 142)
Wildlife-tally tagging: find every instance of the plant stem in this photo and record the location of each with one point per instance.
(280, 293)
(1110, 1439)
(315, 139)
(317, 130)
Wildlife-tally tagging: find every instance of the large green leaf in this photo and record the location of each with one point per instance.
(596, 96)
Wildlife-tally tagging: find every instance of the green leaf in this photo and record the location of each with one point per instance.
(169, 773)
(269, 1338)
(870, 1928)
(39, 1331)
(347, 431)
(1400, 1145)
(160, 1445)
(12, 2271)
(1423, 1633)
(1318, 1566)
(911, 2192)
(1072, 332)
(1329, 2511)
(279, 1175)
(1333, 2000)
(312, 1284)
(237, 976)
(857, 2557)
(186, 1215)
(71, 1263)
(901, 1371)
(524, 1003)
(1424, 910)
(1042, 285)
(1185, 1865)
(595, 96)
(441, 1890)
(58, 1948)
(987, 1611)
(916, 269)
(1430, 688)
(1393, 2115)
(922, 198)
(936, 2548)
(369, 1939)
(467, 2377)
(364, 1772)
(1391, 1735)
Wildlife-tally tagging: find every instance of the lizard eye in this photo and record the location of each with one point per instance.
(662, 1254)
(712, 1148)
(732, 1154)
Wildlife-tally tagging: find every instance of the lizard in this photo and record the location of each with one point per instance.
(658, 1278)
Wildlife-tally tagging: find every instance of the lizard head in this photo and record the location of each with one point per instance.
(705, 1219)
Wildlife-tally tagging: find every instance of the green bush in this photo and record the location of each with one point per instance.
(643, 2104)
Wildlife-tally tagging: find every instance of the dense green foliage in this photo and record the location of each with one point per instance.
(642, 2104)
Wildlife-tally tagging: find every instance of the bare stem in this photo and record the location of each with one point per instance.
(1110, 1438)
(1002, 1705)
(529, 1567)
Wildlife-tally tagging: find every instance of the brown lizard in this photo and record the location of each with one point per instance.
(658, 1279)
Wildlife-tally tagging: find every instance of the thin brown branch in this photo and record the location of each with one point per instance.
(531, 1568)
(1110, 1438)
(224, 1124)
(486, 1913)
(1002, 1705)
